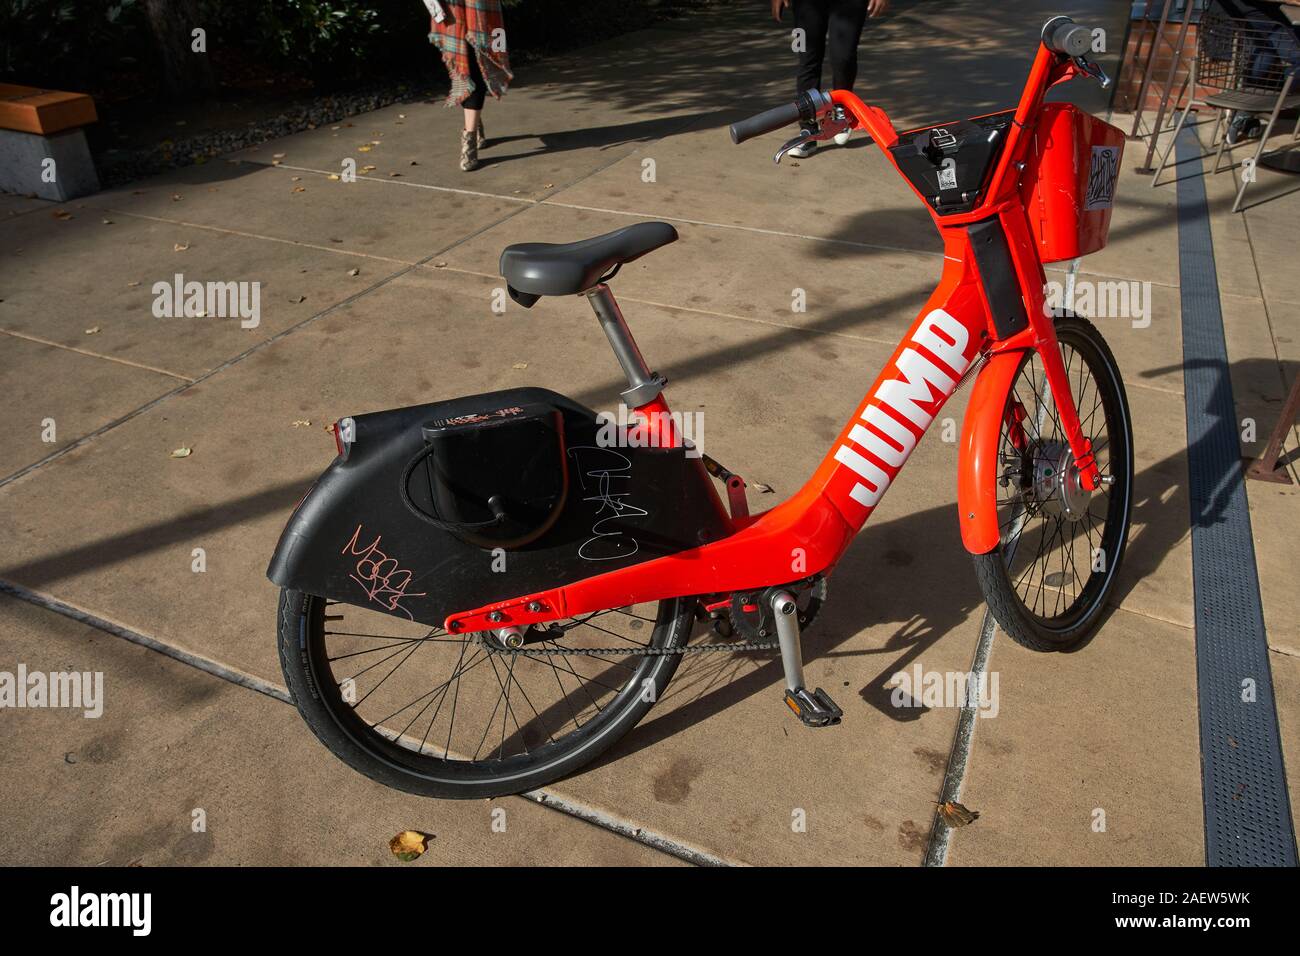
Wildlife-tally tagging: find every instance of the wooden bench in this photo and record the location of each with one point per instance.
(43, 148)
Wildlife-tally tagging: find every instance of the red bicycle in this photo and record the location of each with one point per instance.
(481, 595)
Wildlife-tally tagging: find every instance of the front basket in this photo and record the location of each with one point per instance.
(1069, 182)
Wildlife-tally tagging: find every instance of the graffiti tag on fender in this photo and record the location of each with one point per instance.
(1102, 173)
(384, 581)
(600, 471)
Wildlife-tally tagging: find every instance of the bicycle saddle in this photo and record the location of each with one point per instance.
(535, 269)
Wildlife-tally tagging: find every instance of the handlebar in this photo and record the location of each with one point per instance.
(805, 109)
(1062, 35)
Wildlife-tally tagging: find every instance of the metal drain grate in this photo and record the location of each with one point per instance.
(1247, 813)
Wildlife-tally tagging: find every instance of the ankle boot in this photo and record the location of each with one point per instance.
(468, 150)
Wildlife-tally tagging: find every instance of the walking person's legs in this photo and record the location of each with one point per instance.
(472, 137)
(845, 27)
(470, 36)
(810, 17)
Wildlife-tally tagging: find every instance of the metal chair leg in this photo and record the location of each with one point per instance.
(1223, 114)
(1218, 123)
(1178, 128)
(1263, 142)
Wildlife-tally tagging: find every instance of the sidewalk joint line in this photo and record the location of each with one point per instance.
(257, 235)
(936, 850)
(197, 661)
(89, 354)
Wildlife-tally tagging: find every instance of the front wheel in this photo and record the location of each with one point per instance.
(1060, 546)
(441, 715)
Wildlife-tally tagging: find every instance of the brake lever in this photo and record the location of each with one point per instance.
(1093, 70)
(803, 137)
(832, 124)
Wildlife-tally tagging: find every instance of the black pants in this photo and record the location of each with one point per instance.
(476, 99)
(843, 20)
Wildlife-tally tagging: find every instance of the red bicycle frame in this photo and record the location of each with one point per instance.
(956, 328)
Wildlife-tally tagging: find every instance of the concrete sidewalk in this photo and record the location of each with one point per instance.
(379, 293)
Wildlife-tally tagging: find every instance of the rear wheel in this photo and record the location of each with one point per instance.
(1061, 546)
(447, 716)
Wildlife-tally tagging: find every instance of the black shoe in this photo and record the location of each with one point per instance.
(1243, 127)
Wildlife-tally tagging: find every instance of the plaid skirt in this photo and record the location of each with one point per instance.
(472, 28)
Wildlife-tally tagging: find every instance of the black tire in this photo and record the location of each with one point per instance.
(1018, 589)
(319, 696)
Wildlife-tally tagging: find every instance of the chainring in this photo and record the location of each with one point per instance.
(752, 614)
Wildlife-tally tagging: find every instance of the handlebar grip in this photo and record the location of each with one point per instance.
(1062, 35)
(765, 122)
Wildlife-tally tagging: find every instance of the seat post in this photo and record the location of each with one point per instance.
(644, 385)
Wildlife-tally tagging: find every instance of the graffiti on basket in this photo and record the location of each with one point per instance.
(1102, 173)
(604, 472)
(384, 581)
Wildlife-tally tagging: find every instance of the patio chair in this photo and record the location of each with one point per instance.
(1242, 65)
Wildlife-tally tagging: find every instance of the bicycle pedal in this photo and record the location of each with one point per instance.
(813, 708)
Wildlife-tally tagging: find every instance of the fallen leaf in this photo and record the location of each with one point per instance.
(547, 185)
(955, 815)
(92, 330)
(520, 365)
(300, 423)
(277, 155)
(132, 285)
(375, 142)
(394, 174)
(440, 265)
(366, 169)
(295, 299)
(414, 163)
(353, 272)
(409, 845)
(300, 189)
(335, 177)
(295, 179)
(107, 222)
(363, 149)
(762, 488)
(180, 247)
(182, 452)
(177, 197)
(62, 214)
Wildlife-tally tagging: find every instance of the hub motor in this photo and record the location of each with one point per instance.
(1053, 481)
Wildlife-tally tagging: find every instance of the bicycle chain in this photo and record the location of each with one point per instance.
(735, 647)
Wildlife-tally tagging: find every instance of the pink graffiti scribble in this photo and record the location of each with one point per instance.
(385, 583)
